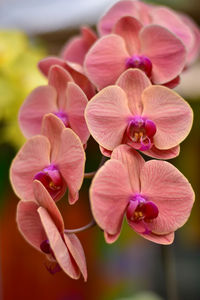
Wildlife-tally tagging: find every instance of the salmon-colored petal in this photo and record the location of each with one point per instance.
(111, 238)
(140, 229)
(52, 128)
(166, 52)
(76, 49)
(172, 115)
(167, 18)
(106, 60)
(135, 9)
(171, 192)
(58, 246)
(71, 162)
(132, 161)
(44, 199)
(133, 82)
(105, 151)
(128, 28)
(194, 52)
(82, 81)
(77, 252)
(59, 78)
(107, 116)
(33, 157)
(45, 64)
(41, 101)
(109, 196)
(29, 223)
(163, 154)
(75, 108)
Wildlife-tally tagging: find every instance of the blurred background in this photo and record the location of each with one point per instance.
(131, 268)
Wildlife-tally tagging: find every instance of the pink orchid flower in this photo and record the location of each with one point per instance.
(155, 197)
(42, 226)
(149, 118)
(72, 58)
(180, 25)
(63, 98)
(153, 49)
(56, 159)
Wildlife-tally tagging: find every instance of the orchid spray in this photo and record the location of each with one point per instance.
(116, 86)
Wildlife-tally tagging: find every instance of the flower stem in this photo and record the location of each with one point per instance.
(168, 262)
(91, 224)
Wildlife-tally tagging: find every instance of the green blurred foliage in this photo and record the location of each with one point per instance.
(18, 76)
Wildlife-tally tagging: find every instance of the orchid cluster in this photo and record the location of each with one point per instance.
(116, 87)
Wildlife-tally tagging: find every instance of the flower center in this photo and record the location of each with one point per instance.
(63, 117)
(140, 209)
(141, 62)
(140, 132)
(51, 178)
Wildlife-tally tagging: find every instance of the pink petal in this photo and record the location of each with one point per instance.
(109, 196)
(132, 161)
(29, 223)
(82, 81)
(172, 115)
(45, 64)
(164, 239)
(163, 184)
(106, 60)
(44, 199)
(75, 107)
(133, 82)
(194, 52)
(105, 151)
(166, 52)
(163, 154)
(77, 252)
(167, 18)
(71, 162)
(59, 78)
(52, 128)
(33, 157)
(111, 238)
(128, 28)
(76, 49)
(42, 100)
(58, 246)
(107, 116)
(135, 9)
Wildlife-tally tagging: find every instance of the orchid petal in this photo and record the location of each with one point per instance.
(133, 82)
(163, 154)
(77, 252)
(163, 184)
(132, 161)
(52, 128)
(59, 78)
(106, 60)
(128, 28)
(44, 199)
(41, 101)
(166, 52)
(33, 157)
(109, 196)
(107, 116)
(29, 223)
(45, 64)
(75, 107)
(172, 115)
(58, 246)
(71, 162)
(76, 49)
